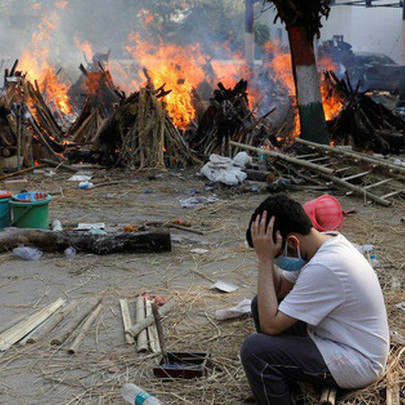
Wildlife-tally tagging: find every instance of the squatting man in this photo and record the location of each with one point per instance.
(319, 311)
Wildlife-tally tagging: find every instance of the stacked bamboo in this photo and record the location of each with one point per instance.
(147, 338)
(58, 323)
(140, 134)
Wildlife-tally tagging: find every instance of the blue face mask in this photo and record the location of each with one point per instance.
(288, 263)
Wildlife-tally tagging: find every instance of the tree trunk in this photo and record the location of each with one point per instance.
(309, 99)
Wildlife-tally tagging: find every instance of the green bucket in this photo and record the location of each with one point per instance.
(4, 212)
(27, 211)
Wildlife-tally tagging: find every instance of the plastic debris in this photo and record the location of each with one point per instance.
(57, 226)
(85, 185)
(194, 202)
(243, 308)
(226, 170)
(27, 253)
(224, 286)
(70, 253)
(199, 251)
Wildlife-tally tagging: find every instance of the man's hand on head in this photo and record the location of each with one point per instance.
(262, 238)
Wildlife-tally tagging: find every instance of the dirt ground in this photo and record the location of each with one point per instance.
(42, 374)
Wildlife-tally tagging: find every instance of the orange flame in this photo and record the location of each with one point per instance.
(34, 62)
(179, 69)
(280, 65)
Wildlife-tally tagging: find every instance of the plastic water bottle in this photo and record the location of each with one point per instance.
(262, 155)
(137, 396)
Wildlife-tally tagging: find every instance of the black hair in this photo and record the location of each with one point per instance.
(289, 217)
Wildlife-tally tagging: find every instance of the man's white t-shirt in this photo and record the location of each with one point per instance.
(338, 295)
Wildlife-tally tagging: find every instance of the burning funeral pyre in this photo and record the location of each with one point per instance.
(172, 106)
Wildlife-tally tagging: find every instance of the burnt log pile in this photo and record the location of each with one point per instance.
(363, 123)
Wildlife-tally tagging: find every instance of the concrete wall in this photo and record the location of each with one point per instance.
(367, 29)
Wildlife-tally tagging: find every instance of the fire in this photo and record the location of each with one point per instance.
(177, 68)
(34, 62)
(280, 65)
(85, 47)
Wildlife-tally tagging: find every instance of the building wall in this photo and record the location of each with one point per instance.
(367, 29)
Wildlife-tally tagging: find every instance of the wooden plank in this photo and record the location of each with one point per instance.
(284, 157)
(17, 332)
(126, 320)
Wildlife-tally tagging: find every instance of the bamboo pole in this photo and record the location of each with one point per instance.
(48, 325)
(142, 339)
(159, 329)
(152, 331)
(74, 348)
(60, 336)
(139, 327)
(354, 155)
(126, 320)
(284, 157)
(17, 332)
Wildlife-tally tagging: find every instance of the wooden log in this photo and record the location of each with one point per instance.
(17, 173)
(66, 330)
(141, 242)
(51, 323)
(126, 320)
(142, 338)
(152, 331)
(328, 396)
(139, 327)
(74, 348)
(17, 332)
(290, 159)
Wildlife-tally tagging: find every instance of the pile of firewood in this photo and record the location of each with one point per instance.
(29, 130)
(364, 123)
(139, 134)
(227, 118)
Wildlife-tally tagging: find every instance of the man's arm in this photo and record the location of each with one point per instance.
(272, 321)
(281, 284)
